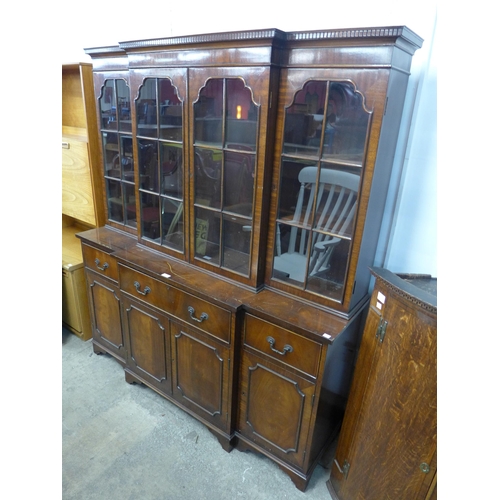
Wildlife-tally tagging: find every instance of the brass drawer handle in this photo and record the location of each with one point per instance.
(203, 316)
(104, 266)
(287, 348)
(138, 288)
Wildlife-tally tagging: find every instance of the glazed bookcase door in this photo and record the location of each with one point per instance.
(228, 158)
(328, 130)
(159, 133)
(117, 150)
(323, 148)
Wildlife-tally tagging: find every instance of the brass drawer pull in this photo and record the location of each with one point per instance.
(287, 348)
(138, 288)
(203, 316)
(104, 266)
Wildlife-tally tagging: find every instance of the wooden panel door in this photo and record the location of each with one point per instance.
(200, 375)
(104, 299)
(387, 447)
(284, 430)
(148, 350)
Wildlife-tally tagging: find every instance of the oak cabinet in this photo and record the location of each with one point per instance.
(244, 177)
(388, 443)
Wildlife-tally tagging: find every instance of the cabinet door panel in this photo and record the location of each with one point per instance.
(104, 299)
(284, 430)
(400, 402)
(148, 350)
(200, 374)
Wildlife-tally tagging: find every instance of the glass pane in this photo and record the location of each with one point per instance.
(127, 158)
(170, 112)
(237, 239)
(111, 153)
(147, 124)
(304, 120)
(173, 224)
(148, 165)
(291, 253)
(130, 209)
(171, 169)
(241, 117)
(239, 182)
(336, 201)
(107, 104)
(327, 274)
(208, 114)
(207, 235)
(150, 216)
(123, 105)
(207, 172)
(296, 198)
(346, 125)
(114, 197)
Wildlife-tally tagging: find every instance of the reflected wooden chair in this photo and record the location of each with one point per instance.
(335, 209)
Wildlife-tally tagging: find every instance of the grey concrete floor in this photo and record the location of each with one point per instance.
(122, 441)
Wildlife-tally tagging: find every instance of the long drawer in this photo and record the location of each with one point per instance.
(282, 345)
(193, 310)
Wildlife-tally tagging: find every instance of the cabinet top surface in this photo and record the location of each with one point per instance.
(422, 288)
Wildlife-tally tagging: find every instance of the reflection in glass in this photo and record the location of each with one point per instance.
(147, 124)
(172, 217)
(237, 240)
(238, 182)
(127, 158)
(150, 216)
(241, 117)
(208, 113)
(323, 149)
(114, 198)
(107, 106)
(148, 165)
(123, 105)
(207, 177)
(171, 169)
(111, 153)
(129, 203)
(207, 235)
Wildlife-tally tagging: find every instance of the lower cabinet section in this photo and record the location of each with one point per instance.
(262, 375)
(284, 412)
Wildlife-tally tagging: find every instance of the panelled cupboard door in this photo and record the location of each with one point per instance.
(148, 350)
(200, 375)
(104, 304)
(284, 430)
(390, 450)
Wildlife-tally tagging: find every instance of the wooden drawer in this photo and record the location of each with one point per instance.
(145, 288)
(188, 308)
(305, 353)
(100, 262)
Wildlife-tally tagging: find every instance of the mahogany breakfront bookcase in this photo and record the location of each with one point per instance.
(245, 177)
